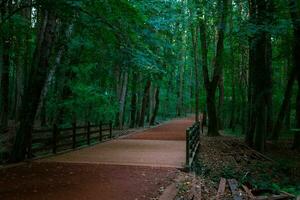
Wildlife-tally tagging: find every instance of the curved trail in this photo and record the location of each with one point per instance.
(133, 167)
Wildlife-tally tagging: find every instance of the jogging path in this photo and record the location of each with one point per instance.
(133, 167)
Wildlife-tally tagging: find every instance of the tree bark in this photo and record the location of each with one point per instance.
(196, 70)
(133, 101)
(261, 84)
(144, 103)
(295, 70)
(123, 100)
(6, 45)
(298, 104)
(220, 103)
(211, 86)
(40, 66)
(156, 106)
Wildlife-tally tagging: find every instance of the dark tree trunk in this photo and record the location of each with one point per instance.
(233, 73)
(298, 105)
(212, 114)
(269, 74)
(211, 86)
(144, 103)
(220, 103)
(196, 70)
(250, 108)
(295, 70)
(43, 115)
(285, 104)
(40, 66)
(287, 119)
(122, 93)
(261, 83)
(133, 101)
(6, 42)
(156, 107)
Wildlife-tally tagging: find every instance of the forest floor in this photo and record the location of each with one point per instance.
(230, 158)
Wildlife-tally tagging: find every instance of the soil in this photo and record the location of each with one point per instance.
(229, 157)
(57, 181)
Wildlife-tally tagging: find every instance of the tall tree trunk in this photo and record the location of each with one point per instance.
(287, 119)
(233, 72)
(269, 74)
(212, 85)
(144, 103)
(133, 101)
(40, 66)
(251, 120)
(196, 70)
(156, 106)
(181, 77)
(295, 72)
(261, 84)
(221, 102)
(212, 113)
(122, 100)
(191, 90)
(4, 88)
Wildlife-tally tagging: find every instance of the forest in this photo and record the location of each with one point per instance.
(232, 64)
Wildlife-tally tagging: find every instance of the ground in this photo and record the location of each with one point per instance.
(65, 181)
(229, 157)
(149, 165)
(136, 166)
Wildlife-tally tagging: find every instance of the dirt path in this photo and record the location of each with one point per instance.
(135, 167)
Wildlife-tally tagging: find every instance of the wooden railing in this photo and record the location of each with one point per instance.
(192, 144)
(58, 139)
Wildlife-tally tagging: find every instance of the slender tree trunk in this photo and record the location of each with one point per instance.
(196, 70)
(33, 92)
(144, 103)
(191, 91)
(133, 101)
(233, 81)
(156, 106)
(269, 74)
(181, 78)
(122, 100)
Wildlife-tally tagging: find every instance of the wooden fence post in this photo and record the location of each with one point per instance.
(110, 129)
(55, 134)
(100, 131)
(88, 133)
(74, 134)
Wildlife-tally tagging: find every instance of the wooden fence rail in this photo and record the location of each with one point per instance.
(59, 139)
(192, 144)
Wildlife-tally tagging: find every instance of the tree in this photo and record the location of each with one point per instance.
(40, 66)
(211, 85)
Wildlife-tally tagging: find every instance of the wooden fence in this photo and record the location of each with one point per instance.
(192, 144)
(58, 139)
